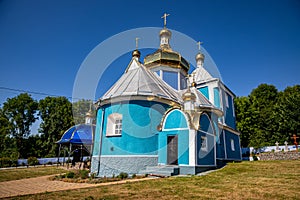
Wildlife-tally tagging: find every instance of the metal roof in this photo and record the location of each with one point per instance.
(140, 81)
(200, 74)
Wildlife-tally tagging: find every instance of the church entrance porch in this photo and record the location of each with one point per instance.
(172, 157)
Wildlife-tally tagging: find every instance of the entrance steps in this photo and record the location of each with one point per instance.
(161, 170)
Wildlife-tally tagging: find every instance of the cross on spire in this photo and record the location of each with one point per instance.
(137, 42)
(165, 19)
(199, 45)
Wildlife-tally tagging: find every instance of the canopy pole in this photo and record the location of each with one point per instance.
(70, 150)
(92, 145)
(81, 158)
(58, 155)
(64, 160)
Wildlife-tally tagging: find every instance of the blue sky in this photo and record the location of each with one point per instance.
(44, 42)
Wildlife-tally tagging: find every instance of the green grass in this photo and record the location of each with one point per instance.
(20, 173)
(246, 180)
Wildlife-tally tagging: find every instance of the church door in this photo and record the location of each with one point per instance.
(172, 150)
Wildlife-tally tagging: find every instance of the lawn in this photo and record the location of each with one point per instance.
(20, 173)
(246, 180)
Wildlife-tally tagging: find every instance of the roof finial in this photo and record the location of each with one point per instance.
(136, 42)
(165, 19)
(199, 45)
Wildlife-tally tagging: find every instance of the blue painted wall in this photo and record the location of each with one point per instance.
(220, 145)
(204, 91)
(205, 157)
(139, 128)
(174, 121)
(183, 146)
(230, 119)
(236, 154)
(228, 111)
(206, 126)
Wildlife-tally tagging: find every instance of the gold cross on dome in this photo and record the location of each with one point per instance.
(165, 19)
(199, 45)
(137, 42)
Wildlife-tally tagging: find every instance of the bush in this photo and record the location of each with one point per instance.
(32, 161)
(8, 162)
(70, 175)
(255, 158)
(93, 175)
(123, 175)
(5, 162)
(83, 174)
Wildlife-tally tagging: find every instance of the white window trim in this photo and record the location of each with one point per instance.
(232, 144)
(226, 100)
(233, 109)
(204, 141)
(114, 123)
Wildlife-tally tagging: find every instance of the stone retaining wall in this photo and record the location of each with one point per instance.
(280, 156)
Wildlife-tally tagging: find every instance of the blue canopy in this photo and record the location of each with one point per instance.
(81, 134)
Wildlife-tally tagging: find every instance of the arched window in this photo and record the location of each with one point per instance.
(114, 125)
(206, 124)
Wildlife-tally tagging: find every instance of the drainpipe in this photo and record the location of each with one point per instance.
(100, 142)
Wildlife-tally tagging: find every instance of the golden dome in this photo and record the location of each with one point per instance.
(166, 58)
(136, 53)
(200, 56)
(165, 31)
(188, 95)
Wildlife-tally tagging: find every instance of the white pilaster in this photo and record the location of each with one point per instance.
(192, 147)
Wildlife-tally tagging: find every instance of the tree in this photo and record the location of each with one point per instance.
(288, 112)
(20, 113)
(244, 119)
(80, 108)
(263, 100)
(7, 145)
(56, 115)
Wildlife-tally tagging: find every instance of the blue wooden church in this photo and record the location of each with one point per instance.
(158, 119)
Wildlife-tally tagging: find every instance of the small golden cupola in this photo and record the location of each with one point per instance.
(189, 99)
(165, 35)
(168, 64)
(89, 116)
(136, 53)
(200, 56)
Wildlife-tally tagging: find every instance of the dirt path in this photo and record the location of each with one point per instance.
(43, 184)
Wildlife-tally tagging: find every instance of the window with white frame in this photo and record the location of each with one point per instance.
(226, 100)
(204, 143)
(232, 145)
(114, 124)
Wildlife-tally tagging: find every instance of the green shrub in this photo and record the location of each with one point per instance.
(133, 175)
(123, 175)
(70, 174)
(83, 174)
(5, 162)
(32, 161)
(255, 158)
